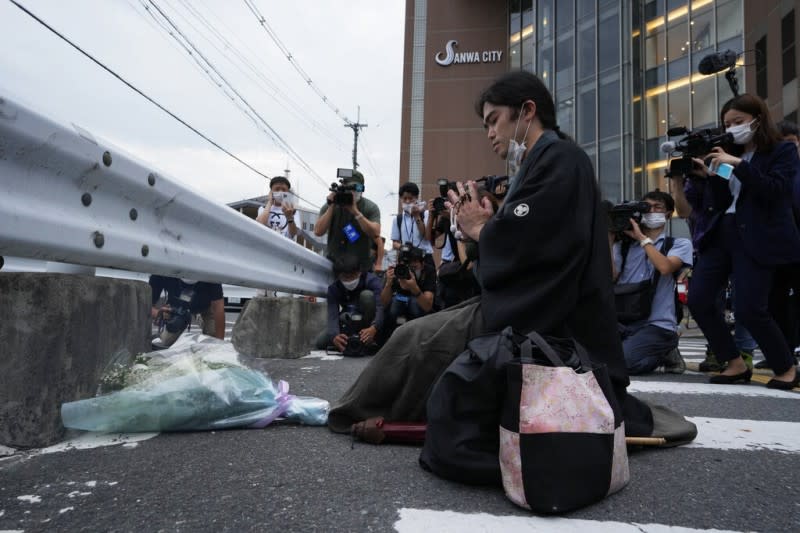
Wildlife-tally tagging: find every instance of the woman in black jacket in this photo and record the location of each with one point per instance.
(751, 232)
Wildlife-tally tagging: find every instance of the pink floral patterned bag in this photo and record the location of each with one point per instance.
(562, 438)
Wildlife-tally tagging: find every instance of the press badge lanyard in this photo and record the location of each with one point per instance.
(410, 232)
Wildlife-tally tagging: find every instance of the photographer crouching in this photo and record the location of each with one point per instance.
(645, 262)
(409, 289)
(186, 298)
(355, 311)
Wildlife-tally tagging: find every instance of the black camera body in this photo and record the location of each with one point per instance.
(177, 319)
(343, 193)
(694, 144)
(620, 215)
(405, 255)
(350, 324)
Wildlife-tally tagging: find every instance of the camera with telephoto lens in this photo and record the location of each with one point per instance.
(694, 144)
(176, 319)
(343, 191)
(620, 215)
(495, 185)
(350, 323)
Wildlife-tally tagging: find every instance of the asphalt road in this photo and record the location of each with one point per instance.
(743, 474)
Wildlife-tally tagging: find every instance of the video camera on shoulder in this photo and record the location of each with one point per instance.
(694, 144)
(174, 320)
(620, 215)
(405, 255)
(343, 191)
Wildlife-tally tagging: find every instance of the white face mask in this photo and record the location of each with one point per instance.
(742, 133)
(654, 220)
(352, 284)
(417, 272)
(516, 150)
(408, 207)
(357, 196)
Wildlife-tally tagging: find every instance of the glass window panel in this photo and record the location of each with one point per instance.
(565, 111)
(656, 179)
(565, 60)
(678, 41)
(653, 149)
(729, 20)
(702, 30)
(655, 77)
(545, 16)
(655, 49)
(565, 14)
(527, 13)
(704, 105)
(527, 50)
(653, 9)
(609, 111)
(678, 101)
(544, 65)
(587, 50)
(610, 171)
(515, 56)
(678, 69)
(761, 67)
(674, 4)
(656, 119)
(723, 95)
(608, 41)
(586, 114)
(585, 8)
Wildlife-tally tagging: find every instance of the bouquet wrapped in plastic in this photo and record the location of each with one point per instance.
(197, 384)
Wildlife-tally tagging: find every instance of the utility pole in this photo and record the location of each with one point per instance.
(356, 127)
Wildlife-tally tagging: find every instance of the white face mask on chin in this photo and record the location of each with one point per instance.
(516, 150)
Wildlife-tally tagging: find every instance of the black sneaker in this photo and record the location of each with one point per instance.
(674, 363)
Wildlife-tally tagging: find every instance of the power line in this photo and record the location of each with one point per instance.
(134, 88)
(260, 80)
(285, 51)
(273, 133)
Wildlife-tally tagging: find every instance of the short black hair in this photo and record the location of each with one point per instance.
(409, 187)
(663, 197)
(346, 264)
(280, 179)
(787, 127)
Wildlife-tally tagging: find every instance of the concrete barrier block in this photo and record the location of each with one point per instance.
(278, 327)
(57, 334)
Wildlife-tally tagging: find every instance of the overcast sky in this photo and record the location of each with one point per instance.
(351, 49)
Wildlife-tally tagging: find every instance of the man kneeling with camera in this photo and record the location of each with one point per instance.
(186, 298)
(409, 289)
(355, 312)
(645, 262)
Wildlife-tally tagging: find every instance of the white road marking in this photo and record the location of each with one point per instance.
(414, 520)
(677, 387)
(95, 440)
(323, 355)
(30, 498)
(749, 435)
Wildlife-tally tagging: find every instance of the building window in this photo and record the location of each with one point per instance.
(787, 48)
(312, 227)
(761, 67)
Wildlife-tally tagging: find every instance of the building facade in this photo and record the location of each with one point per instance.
(622, 73)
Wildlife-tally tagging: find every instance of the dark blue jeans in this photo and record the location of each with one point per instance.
(645, 346)
(752, 282)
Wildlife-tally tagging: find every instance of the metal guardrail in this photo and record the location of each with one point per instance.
(69, 197)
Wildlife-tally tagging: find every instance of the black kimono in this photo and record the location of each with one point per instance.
(544, 265)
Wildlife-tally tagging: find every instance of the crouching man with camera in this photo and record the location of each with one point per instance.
(645, 262)
(186, 298)
(409, 288)
(355, 311)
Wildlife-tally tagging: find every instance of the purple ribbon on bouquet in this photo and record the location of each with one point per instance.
(282, 401)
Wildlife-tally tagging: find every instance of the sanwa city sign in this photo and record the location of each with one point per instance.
(451, 57)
